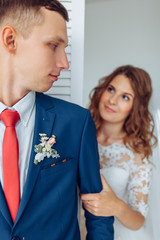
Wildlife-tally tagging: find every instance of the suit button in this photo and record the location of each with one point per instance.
(16, 238)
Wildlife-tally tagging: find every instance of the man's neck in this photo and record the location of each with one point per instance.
(10, 95)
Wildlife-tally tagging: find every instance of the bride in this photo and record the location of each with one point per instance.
(119, 107)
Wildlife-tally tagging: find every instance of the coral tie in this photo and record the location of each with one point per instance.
(10, 157)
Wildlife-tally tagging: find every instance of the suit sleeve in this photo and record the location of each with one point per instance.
(98, 228)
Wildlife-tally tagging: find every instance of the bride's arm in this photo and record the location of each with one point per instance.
(106, 203)
(128, 217)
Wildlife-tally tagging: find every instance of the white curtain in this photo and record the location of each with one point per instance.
(153, 220)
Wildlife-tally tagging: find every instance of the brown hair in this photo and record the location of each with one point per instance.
(24, 14)
(139, 125)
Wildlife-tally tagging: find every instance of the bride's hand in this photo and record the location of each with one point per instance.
(104, 203)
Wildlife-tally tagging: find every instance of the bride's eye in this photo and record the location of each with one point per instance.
(126, 98)
(110, 89)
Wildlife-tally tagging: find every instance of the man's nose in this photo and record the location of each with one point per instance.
(63, 61)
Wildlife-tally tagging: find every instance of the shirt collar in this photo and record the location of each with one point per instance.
(24, 107)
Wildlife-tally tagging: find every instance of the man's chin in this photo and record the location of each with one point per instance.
(44, 89)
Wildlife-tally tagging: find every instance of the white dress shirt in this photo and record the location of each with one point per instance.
(24, 128)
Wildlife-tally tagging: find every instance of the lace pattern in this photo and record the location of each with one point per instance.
(133, 183)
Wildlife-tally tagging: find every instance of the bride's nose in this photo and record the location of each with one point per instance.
(113, 99)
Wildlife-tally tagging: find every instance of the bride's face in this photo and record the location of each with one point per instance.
(117, 100)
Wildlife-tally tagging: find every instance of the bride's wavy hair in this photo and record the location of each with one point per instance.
(139, 125)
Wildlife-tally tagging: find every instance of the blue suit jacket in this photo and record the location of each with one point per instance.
(48, 208)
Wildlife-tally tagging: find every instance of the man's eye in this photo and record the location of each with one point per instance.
(54, 46)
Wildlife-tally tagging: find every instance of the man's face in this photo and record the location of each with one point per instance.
(41, 56)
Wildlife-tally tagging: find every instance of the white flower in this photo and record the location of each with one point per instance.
(44, 149)
(44, 139)
(48, 155)
(48, 147)
(42, 135)
(39, 157)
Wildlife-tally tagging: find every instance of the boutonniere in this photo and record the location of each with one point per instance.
(44, 149)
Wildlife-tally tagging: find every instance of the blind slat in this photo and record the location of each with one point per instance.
(62, 88)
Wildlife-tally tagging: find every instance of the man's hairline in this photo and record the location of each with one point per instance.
(40, 13)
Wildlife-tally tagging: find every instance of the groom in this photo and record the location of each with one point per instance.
(57, 148)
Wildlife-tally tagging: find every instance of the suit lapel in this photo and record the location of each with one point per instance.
(44, 120)
(4, 208)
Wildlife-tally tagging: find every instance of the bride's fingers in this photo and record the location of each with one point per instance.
(89, 196)
(88, 203)
(105, 185)
(89, 208)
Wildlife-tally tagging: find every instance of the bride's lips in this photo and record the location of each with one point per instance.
(109, 109)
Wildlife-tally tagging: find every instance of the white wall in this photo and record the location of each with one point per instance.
(70, 84)
(121, 32)
(77, 55)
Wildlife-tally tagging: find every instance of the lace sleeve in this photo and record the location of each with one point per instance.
(139, 185)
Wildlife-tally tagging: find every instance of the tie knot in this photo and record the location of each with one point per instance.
(10, 117)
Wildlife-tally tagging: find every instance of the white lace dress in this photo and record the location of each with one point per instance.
(129, 178)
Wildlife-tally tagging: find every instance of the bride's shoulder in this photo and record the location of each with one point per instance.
(140, 160)
(116, 150)
(141, 164)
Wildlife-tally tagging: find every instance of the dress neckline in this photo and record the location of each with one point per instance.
(114, 143)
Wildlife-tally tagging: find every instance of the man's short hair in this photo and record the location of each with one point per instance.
(24, 14)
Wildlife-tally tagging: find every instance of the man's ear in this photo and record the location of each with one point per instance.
(8, 35)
